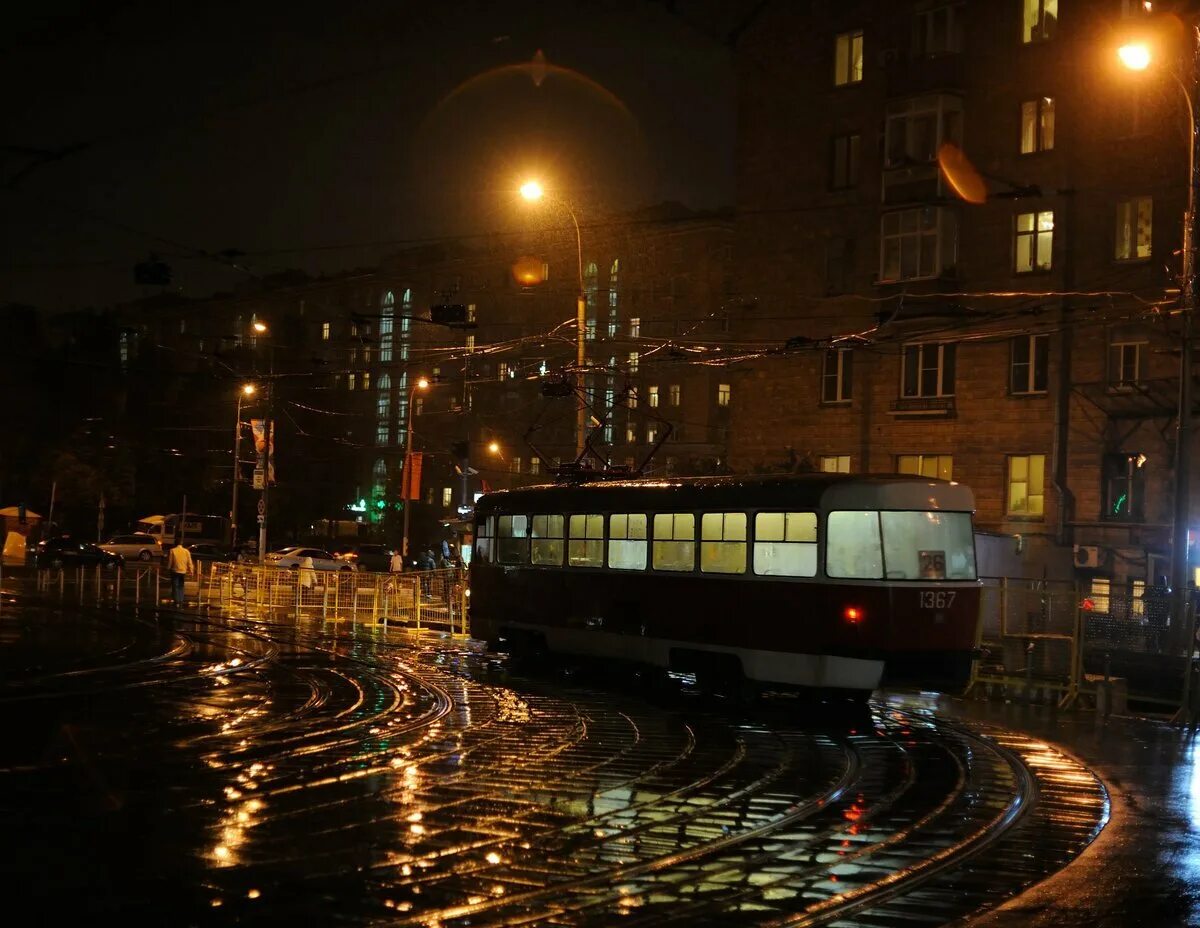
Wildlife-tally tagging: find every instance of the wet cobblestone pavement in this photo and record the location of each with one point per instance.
(188, 769)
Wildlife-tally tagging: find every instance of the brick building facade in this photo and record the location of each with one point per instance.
(1027, 345)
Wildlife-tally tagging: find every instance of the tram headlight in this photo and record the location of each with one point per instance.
(853, 614)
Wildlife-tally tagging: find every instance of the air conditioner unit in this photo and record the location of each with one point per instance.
(1087, 556)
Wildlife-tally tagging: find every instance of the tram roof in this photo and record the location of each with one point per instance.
(804, 491)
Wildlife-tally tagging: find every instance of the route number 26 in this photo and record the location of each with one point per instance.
(937, 599)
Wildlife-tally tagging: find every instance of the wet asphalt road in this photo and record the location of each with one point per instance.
(175, 769)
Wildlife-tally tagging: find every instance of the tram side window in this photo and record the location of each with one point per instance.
(785, 544)
(852, 545)
(546, 548)
(484, 533)
(723, 543)
(627, 541)
(585, 545)
(512, 541)
(928, 545)
(674, 541)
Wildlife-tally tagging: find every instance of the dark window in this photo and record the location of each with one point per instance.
(844, 172)
(1030, 355)
(839, 265)
(1124, 487)
(1125, 364)
(929, 370)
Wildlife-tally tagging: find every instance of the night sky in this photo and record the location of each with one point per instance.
(321, 136)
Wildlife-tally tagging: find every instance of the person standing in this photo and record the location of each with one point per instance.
(396, 564)
(179, 563)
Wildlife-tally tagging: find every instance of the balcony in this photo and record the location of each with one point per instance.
(912, 75)
(923, 407)
(913, 183)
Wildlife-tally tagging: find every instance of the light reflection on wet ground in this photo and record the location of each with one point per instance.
(186, 769)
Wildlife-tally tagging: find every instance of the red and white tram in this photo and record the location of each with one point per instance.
(821, 580)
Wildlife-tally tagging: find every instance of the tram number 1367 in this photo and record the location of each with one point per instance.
(937, 599)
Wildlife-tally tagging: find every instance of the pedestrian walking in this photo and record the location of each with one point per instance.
(308, 572)
(1156, 601)
(179, 563)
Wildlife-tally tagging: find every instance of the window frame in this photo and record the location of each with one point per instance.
(1028, 512)
(845, 160)
(1034, 235)
(547, 538)
(842, 377)
(1034, 31)
(1121, 384)
(754, 542)
(1127, 226)
(855, 67)
(1037, 358)
(626, 539)
(1037, 127)
(922, 457)
(585, 539)
(655, 540)
(940, 237)
(722, 543)
(941, 391)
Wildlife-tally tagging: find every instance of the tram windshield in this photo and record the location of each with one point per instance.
(864, 544)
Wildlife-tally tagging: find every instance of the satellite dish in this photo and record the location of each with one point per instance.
(960, 174)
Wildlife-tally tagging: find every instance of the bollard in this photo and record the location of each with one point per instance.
(157, 591)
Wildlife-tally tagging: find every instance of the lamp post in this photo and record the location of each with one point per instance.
(247, 389)
(406, 467)
(532, 191)
(1137, 57)
(260, 328)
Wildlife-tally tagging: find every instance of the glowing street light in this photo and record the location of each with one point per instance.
(1135, 56)
(494, 447)
(532, 191)
(260, 328)
(248, 389)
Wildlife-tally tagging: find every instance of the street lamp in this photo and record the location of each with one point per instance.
(532, 191)
(406, 467)
(494, 447)
(1137, 57)
(247, 390)
(261, 328)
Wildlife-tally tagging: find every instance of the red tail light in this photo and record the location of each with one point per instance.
(853, 614)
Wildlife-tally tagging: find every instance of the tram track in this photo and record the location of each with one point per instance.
(415, 788)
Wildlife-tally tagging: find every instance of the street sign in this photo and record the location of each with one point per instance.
(260, 478)
(262, 519)
(262, 507)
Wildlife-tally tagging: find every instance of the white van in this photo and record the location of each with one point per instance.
(212, 529)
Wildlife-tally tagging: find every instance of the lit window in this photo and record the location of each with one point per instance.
(1124, 487)
(366, 380)
(470, 343)
(673, 394)
(590, 285)
(514, 464)
(837, 376)
(848, 58)
(627, 541)
(844, 171)
(1037, 125)
(386, 321)
(485, 531)
(651, 434)
(929, 370)
(674, 541)
(853, 547)
(535, 465)
(1030, 363)
(351, 381)
(635, 327)
(1138, 603)
(613, 276)
(785, 544)
(633, 362)
(502, 370)
(1125, 364)
(835, 464)
(547, 545)
(383, 411)
(632, 398)
(630, 434)
(585, 541)
(471, 312)
(447, 497)
(1026, 491)
(1101, 594)
(928, 545)
(652, 397)
(1039, 20)
(512, 542)
(723, 543)
(1035, 241)
(324, 331)
(723, 391)
(1134, 228)
(939, 466)
(418, 405)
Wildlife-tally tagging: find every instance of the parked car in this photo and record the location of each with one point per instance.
(68, 552)
(367, 556)
(204, 551)
(138, 546)
(291, 557)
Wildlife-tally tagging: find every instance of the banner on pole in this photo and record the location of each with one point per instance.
(265, 460)
(412, 477)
